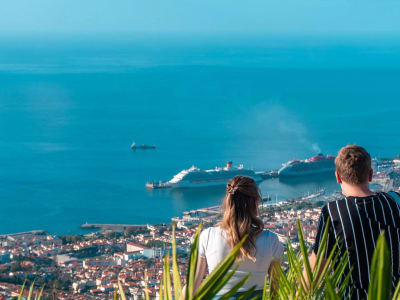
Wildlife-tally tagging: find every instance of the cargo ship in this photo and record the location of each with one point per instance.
(135, 147)
(195, 177)
(315, 165)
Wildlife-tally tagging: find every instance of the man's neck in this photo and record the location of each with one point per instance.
(350, 190)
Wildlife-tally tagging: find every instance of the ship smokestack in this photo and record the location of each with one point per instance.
(229, 164)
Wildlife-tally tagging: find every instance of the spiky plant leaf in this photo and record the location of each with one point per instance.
(266, 293)
(40, 293)
(381, 274)
(22, 290)
(31, 290)
(212, 284)
(247, 295)
(115, 297)
(396, 295)
(175, 270)
(194, 252)
(121, 291)
(330, 291)
(304, 252)
(214, 289)
(235, 288)
(167, 279)
(321, 255)
(161, 293)
(146, 288)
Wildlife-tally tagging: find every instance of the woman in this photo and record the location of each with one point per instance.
(261, 249)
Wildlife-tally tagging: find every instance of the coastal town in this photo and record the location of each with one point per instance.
(89, 266)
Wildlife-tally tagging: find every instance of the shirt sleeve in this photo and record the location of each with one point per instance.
(323, 219)
(203, 242)
(276, 247)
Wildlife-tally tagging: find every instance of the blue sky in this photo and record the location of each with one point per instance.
(336, 17)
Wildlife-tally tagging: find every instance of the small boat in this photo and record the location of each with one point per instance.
(134, 147)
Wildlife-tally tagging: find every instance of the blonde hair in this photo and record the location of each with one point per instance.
(240, 214)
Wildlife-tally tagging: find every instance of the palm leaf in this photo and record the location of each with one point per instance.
(304, 253)
(247, 295)
(40, 293)
(22, 290)
(213, 290)
(121, 291)
(115, 297)
(161, 292)
(330, 292)
(396, 295)
(266, 294)
(167, 279)
(213, 280)
(31, 290)
(235, 288)
(146, 289)
(194, 252)
(381, 273)
(175, 270)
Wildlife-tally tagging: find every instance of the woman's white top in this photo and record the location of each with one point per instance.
(214, 246)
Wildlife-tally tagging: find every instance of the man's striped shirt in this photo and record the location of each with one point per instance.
(356, 223)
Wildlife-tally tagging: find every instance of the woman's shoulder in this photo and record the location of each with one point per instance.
(208, 232)
(268, 233)
(208, 237)
(273, 243)
(269, 236)
(212, 230)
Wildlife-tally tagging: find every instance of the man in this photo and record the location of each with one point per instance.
(357, 220)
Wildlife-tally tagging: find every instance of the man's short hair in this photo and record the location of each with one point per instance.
(353, 164)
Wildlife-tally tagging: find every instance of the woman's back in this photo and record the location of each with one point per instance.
(214, 246)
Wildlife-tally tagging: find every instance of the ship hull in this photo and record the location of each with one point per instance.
(220, 183)
(301, 169)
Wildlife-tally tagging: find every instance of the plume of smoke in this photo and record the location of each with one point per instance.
(272, 125)
(316, 148)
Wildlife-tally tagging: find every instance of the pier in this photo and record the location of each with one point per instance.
(32, 232)
(113, 227)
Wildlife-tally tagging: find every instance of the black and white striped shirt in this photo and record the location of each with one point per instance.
(356, 223)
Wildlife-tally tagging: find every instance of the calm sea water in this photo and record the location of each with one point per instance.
(70, 108)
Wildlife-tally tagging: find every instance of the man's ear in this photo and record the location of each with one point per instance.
(338, 179)
(371, 173)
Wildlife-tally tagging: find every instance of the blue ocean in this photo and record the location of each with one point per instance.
(71, 107)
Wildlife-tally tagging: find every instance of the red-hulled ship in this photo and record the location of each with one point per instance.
(317, 164)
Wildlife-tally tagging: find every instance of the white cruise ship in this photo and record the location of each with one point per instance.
(195, 177)
(318, 164)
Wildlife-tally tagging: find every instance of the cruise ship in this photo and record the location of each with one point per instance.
(315, 165)
(195, 177)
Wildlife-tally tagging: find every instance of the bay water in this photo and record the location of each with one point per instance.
(71, 107)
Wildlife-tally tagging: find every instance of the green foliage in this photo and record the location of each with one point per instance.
(381, 272)
(31, 294)
(135, 230)
(158, 244)
(296, 205)
(86, 252)
(70, 239)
